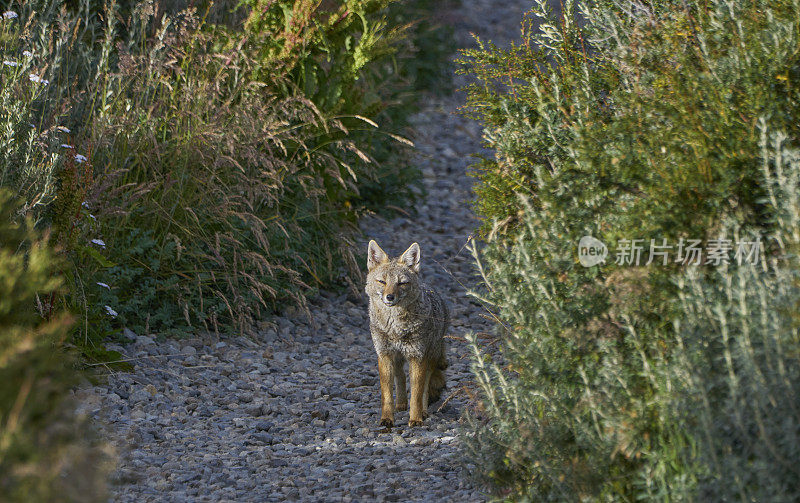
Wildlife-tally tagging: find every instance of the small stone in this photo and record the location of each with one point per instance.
(263, 425)
(188, 478)
(140, 395)
(254, 409)
(122, 391)
(266, 438)
(320, 414)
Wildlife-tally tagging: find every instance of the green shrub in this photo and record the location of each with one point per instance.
(641, 121)
(44, 454)
(739, 348)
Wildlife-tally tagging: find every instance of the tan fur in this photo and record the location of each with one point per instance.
(408, 321)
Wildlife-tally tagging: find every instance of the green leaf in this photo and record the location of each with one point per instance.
(96, 255)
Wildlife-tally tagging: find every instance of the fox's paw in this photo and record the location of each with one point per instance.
(387, 422)
(401, 406)
(415, 422)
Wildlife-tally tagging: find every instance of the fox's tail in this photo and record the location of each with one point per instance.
(437, 382)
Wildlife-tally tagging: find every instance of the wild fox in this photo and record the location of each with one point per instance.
(408, 321)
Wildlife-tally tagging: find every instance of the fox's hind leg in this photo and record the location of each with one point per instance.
(437, 381)
(400, 383)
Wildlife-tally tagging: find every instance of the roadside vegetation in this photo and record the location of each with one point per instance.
(201, 167)
(664, 120)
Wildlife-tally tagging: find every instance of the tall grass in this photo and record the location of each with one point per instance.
(201, 168)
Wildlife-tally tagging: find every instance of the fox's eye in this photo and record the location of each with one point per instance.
(380, 281)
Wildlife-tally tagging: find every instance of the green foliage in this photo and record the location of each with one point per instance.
(739, 349)
(147, 266)
(44, 455)
(324, 46)
(639, 122)
(235, 146)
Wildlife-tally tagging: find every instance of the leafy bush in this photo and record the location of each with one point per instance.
(44, 454)
(739, 347)
(640, 121)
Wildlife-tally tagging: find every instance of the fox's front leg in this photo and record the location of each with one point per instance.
(385, 365)
(401, 402)
(418, 373)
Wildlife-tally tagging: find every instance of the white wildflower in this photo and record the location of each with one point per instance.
(92, 217)
(85, 205)
(64, 145)
(63, 129)
(80, 158)
(10, 14)
(99, 242)
(104, 285)
(111, 311)
(10, 63)
(27, 54)
(35, 78)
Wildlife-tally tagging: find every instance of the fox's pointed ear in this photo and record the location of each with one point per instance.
(375, 255)
(411, 257)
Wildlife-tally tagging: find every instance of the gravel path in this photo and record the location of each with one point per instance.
(293, 415)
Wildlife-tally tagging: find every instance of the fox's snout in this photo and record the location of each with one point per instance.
(390, 296)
